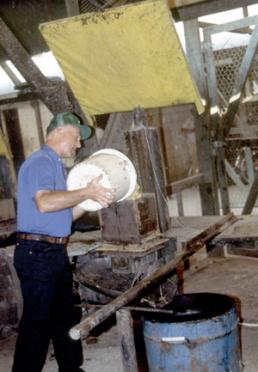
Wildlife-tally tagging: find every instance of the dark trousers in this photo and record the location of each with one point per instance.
(49, 308)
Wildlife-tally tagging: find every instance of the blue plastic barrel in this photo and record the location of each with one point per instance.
(202, 334)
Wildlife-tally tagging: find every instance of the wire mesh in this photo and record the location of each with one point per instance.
(227, 64)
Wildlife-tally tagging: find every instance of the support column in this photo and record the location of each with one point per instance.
(144, 149)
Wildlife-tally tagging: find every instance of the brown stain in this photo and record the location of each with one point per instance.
(147, 214)
(107, 17)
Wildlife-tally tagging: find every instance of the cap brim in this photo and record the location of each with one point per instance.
(85, 131)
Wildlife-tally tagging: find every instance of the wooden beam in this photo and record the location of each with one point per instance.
(186, 183)
(193, 10)
(10, 73)
(208, 186)
(9, 99)
(180, 205)
(234, 176)
(183, 3)
(125, 329)
(244, 30)
(240, 83)
(194, 55)
(39, 125)
(212, 101)
(144, 151)
(241, 142)
(114, 135)
(233, 25)
(221, 172)
(251, 197)
(249, 164)
(72, 7)
(54, 96)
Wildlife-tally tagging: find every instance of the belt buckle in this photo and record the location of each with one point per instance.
(59, 240)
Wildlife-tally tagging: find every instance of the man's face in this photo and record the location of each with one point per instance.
(70, 141)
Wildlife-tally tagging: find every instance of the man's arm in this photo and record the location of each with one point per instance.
(77, 212)
(51, 201)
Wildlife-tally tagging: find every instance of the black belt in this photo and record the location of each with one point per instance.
(43, 238)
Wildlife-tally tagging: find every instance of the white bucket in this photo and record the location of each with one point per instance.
(117, 172)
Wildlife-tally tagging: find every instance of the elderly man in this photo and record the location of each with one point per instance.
(45, 211)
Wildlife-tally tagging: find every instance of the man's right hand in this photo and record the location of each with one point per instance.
(95, 191)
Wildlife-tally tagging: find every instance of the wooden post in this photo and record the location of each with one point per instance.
(252, 196)
(194, 54)
(180, 206)
(208, 185)
(144, 152)
(217, 134)
(53, 95)
(125, 328)
(114, 135)
(221, 172)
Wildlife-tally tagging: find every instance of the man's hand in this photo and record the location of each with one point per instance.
(54, 200)
(95, 191)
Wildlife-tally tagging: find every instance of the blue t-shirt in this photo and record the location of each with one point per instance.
(43, 170)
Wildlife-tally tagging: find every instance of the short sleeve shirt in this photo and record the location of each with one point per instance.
(43, 170)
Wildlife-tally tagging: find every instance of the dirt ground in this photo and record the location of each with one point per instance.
(235, 276)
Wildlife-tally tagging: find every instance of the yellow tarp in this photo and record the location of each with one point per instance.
(123, 57)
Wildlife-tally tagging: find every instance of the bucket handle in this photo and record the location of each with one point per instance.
(191, 344)
(176, 340)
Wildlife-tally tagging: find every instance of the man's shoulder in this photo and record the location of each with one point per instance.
(39, 158)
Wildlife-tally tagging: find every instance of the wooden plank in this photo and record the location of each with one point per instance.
(245, 30)
(72, 7)
(7, 178)
(144, 152)
(249, 164)
(114, 135)
(238, 89)
(241, 142)
(53, 95)
(10, 73)
(209, 62)
(183, 229)
(208, 186)
(7, 208)
(182, 3)
(194, 54)
(180, 206)
(130, 220)
(13, 130)
(221, 172)
(251, 197)
(125, 329)
(10, 99)
(231, 26)
(234, 176)
(186, 183)
(35, 105)
(192, 11)
(245, 228)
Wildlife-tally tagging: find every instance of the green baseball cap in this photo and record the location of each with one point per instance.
(67, 118)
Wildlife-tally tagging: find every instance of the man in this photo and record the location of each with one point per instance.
(45, 210)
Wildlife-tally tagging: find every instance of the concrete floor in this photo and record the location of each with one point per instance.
(234, 276)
